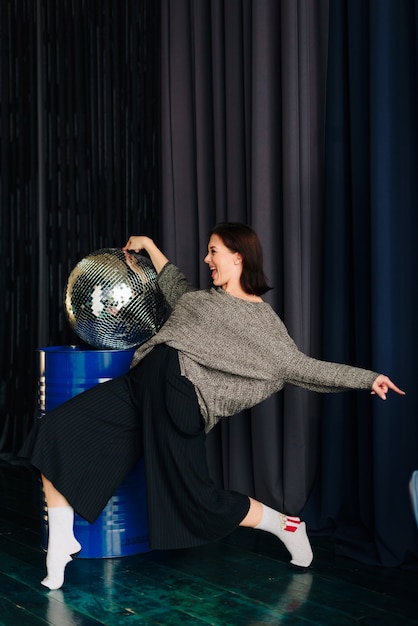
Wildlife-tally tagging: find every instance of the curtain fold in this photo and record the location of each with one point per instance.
(369, 448)
(295, 116)
(79, 166)
(18, 212)
(298, 118)
(238, 79)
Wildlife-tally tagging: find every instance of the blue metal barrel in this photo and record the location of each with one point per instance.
(122, 527)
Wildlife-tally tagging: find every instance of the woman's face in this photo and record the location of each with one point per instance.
(225, 265)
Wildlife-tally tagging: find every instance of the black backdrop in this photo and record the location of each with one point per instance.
(79, 165)
(296, 116)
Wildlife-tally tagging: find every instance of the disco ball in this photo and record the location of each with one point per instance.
(112, 299)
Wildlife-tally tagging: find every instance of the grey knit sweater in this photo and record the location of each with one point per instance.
(237, 353)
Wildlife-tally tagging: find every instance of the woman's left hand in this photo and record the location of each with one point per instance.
(381, 386)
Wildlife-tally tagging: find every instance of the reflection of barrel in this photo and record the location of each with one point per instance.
(122, 527)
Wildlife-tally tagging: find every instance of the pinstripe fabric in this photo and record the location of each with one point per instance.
(88, 445)
(184, 506)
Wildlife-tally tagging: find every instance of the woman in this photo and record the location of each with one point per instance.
(204, 364)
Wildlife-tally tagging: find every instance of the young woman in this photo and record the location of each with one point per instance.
(204, 364)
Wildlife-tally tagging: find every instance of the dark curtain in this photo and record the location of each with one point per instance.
(370, 448)
(299, 118)
(78, 171)
(295, 116)
(243, 111)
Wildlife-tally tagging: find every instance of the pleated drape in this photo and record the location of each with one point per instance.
(298, 118)
(79, 152)
(18, 214)
(295, 116)
(370, 448)
(243, 97)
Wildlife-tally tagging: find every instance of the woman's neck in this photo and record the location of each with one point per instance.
(238, 292)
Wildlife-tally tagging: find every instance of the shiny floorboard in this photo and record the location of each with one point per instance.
(242, 581)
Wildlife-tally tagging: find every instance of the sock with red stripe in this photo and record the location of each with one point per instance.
(291, 531)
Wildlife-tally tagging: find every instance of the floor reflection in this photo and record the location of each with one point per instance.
(292, 600)
(58, 612)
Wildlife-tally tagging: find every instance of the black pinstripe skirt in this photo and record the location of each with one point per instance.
(87, 446)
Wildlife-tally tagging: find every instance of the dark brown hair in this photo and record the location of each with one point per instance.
(243, 239)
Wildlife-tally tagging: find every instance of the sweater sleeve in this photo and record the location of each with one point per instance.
(325, 377)
(173, 283)
(322, 376)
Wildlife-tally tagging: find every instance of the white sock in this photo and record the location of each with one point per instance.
(291, 531)
(61, 545)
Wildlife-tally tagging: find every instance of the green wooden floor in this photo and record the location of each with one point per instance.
(244, 580)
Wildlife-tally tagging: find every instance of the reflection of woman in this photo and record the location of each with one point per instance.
(222, 350)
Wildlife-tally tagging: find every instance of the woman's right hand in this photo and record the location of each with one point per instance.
(381, 386)
(137, 243)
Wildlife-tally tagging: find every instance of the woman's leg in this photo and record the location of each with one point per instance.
(88, 445)
(61, 541)
(52, 496)
(290, 530)
(178, 476)
(85, 446)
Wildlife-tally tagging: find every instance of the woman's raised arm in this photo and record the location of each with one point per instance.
(140, 242)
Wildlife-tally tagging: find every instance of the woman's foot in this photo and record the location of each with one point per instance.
(56, 562)
(296, 541)
(291, 531)
(61, 545)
